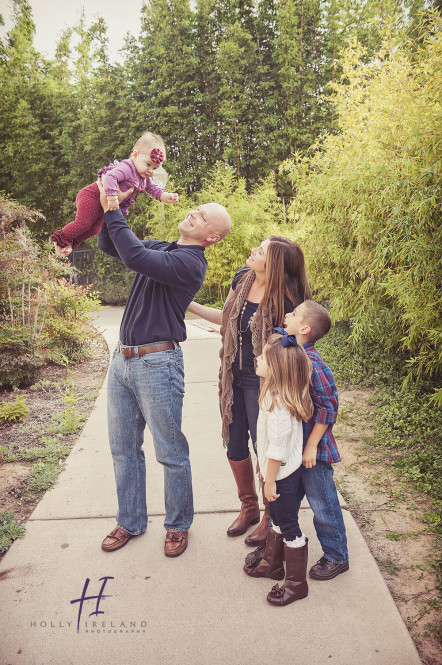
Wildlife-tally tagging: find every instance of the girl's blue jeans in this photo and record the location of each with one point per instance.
(149, 390)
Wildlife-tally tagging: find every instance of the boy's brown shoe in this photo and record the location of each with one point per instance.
(327, 570)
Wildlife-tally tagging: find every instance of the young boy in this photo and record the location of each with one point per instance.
(309, 322)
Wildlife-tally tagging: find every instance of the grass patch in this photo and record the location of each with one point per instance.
(51, 450)
(10, 529)
(43, 476)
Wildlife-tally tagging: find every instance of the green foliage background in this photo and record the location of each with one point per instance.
(237, 81)
(367, 202)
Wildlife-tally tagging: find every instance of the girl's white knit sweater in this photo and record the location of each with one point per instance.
(279, 437)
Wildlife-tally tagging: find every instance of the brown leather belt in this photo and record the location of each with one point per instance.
(132, 351)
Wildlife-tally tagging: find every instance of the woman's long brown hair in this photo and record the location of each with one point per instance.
(285, 275)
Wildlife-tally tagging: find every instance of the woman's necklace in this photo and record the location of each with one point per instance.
(241, 331)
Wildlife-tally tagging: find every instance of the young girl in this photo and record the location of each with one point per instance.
(284, 402)
(134, 173)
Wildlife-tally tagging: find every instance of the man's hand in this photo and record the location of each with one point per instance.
(270, 490)
(122, 196)
(167, 197)
(112, 202)
(62, 251)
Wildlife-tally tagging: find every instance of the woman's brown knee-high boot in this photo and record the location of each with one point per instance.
(258, 536)
(245, 481)
(271, 563)
(295, 586)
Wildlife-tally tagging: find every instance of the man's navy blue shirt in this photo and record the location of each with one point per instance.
(168, 277)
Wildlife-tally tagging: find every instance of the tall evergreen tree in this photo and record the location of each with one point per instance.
(163, 72)
(25, 116)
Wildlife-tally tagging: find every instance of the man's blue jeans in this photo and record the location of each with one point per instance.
(149, 389)
(318, 486)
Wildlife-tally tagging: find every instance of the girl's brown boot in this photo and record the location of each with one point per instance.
(295, 586)
(271, 563)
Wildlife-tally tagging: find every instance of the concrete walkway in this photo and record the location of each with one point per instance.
(198, 609)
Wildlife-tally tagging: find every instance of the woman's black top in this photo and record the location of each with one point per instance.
(243, 324)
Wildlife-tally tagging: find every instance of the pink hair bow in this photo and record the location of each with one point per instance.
(157, 156)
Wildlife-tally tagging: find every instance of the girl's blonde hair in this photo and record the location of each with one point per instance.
(288, 379)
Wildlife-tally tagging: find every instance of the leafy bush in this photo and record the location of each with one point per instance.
(367, 203)
(12, 412)
(365, 364)
(64, 340)
(19, 364)
(43, 316)
(67, 330)
(9, 530)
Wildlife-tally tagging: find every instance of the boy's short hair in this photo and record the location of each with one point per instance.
(150, 140)
(318, 318)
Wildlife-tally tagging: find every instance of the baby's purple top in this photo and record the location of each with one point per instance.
(124, 175)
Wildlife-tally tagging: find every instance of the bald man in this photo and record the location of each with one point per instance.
(146, 375)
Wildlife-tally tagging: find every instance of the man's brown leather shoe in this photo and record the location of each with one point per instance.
(175, 543)
(116, 539)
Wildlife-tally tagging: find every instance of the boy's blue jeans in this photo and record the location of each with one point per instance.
(318, 486)
(149, 390)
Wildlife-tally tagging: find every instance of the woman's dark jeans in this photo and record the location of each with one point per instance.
(284, 511)
(245, 410)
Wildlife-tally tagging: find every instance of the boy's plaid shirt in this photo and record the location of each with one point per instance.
(325, 399)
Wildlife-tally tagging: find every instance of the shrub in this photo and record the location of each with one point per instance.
(43, 316)
(12, 412)
(16, 370)
(115, 290)
(367, 200)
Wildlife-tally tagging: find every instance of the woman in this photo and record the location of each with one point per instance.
(272, 283)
